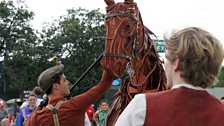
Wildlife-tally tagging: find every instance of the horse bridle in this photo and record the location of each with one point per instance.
(122, 15)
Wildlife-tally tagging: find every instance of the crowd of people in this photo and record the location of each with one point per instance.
(23, 111)
(6, 118)
(3, 114)
(193, 59)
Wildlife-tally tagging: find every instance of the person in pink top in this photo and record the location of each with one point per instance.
(193, 59)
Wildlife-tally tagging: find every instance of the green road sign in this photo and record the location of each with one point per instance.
(160, 45)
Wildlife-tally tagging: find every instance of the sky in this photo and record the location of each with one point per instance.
(160, 16)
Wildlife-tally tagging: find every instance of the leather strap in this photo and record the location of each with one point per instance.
(54, 111)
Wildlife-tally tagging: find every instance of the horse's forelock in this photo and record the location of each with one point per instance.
(131, 1)
(109, 2)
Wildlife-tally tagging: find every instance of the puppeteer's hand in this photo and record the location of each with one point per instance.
(107, 73)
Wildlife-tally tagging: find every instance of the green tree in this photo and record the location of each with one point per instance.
(79, 38)
(17, 40)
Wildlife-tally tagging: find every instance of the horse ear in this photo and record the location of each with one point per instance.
(130, 1)
(109, 2)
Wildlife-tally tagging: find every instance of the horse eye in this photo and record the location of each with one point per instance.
(128, 26)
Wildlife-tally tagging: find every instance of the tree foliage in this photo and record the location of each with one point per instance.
(17, 40)
(79, 39)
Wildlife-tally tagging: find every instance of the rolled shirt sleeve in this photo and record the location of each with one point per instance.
(134, 114)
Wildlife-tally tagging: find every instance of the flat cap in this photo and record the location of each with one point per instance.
(46, 77)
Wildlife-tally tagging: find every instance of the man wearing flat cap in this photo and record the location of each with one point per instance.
(61, 112)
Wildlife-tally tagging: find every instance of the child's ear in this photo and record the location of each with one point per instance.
(176, 64)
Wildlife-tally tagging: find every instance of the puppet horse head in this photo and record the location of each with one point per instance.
(121, 25)
(129, 50)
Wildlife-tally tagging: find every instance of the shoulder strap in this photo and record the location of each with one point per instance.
(54, 111)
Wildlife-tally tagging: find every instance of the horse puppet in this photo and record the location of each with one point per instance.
(130, 54)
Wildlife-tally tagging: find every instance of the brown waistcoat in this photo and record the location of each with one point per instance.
(183, 107)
